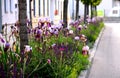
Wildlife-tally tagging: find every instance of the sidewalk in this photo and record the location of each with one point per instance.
(105, 61)
(84, 73)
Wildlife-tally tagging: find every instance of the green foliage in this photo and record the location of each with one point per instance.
(86, 2)
(92, 32)
(93, 2)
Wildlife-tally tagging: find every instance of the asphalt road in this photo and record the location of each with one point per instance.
(106, 63)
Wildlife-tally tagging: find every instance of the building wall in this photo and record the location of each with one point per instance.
(106, 6)
(9, 11)
(40, 8)
(46, 8)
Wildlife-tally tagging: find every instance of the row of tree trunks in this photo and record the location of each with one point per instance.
(22, 21)
(93, 11)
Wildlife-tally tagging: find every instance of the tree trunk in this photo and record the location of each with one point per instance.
(23, 26)
(30, 13)
(87, 9)
(95, 10)
(77, 9)
(85, 13)
(91, 11)
(65, 8)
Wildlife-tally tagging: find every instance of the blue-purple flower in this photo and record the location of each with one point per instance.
(48, 61)
(85, 50)
(7, 46)
(77, 38)
(27, 48)
(2, 40)
(79, 27)
(70, 31)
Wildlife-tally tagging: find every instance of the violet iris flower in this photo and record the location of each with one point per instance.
(76, 38)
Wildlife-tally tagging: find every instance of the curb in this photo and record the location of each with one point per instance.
(85, 73)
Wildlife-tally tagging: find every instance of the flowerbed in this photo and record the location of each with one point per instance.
(56, 52)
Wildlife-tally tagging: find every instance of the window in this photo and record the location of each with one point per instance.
(48, 7)
(39, 7)
(11, 6)
(6, 7)
(115, 11)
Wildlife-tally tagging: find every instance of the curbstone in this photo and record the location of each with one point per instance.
(85, 73)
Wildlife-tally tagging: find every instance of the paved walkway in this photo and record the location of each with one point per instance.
(106, 63)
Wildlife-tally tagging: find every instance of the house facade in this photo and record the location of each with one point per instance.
(46, 8)
(39, 8)
(8, 12)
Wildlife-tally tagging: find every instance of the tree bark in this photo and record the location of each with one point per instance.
(30, 13)
(85, 13)
(91, 11)
(87, 9)
(22, 23)
(95, 10)
(77, 9)
(65, 8)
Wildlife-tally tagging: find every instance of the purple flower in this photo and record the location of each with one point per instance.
(59, 26)
(53, 45)
(2, 40)
(61, 49)
(49, 24)
(85, 48)
(88, 20)
(71, 23)
(7, 45)
(61, 21)
(28, 48)
(51, 30)
(79, 27)
(56, 31)
(48, 61)
(38, 31)
(93, 20)
(70, 31)
(77, 38)
(76, 23)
